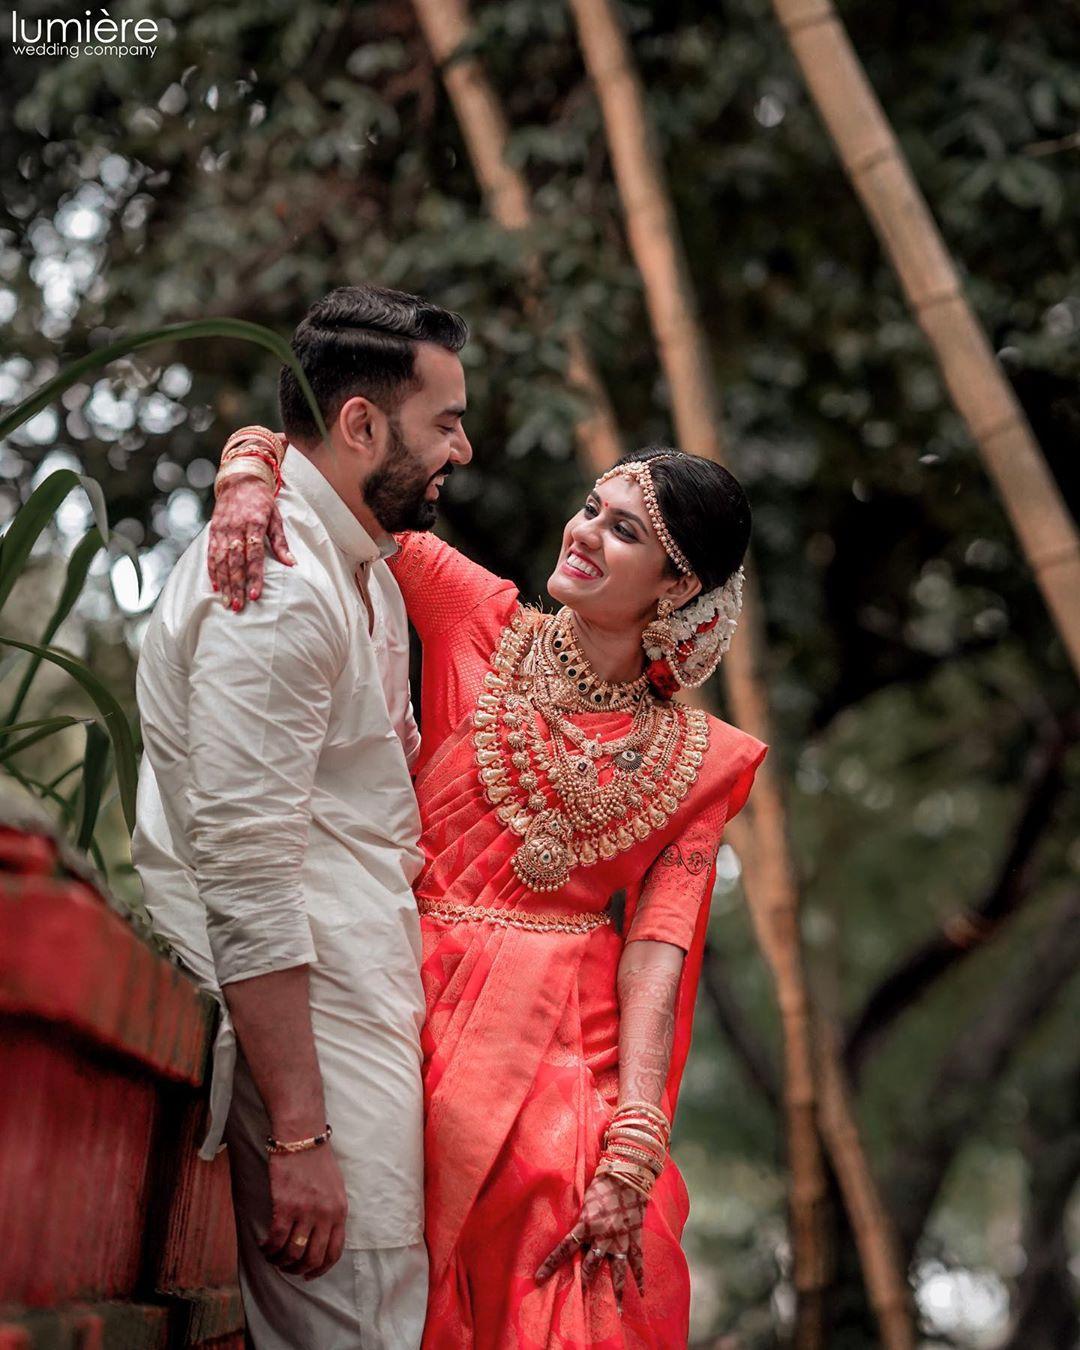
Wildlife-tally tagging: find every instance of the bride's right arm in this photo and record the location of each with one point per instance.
(443, 589)
(246, 517)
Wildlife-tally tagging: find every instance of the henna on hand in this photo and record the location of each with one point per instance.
(245, 516)
(610, 1224)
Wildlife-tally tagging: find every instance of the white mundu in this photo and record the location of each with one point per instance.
(277, 826)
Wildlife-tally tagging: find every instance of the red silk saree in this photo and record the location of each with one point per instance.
(520, 1045)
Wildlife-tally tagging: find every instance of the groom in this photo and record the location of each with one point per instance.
(277, 834)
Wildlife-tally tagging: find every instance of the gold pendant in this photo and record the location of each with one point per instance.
(544, 860)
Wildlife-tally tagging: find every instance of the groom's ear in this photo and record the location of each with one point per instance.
(360, 426)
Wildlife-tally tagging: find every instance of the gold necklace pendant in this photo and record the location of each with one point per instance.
(544, 861)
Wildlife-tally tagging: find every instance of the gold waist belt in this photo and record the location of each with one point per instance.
(577, 921)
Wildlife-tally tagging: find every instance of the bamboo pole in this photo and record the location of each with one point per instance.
(881, 1259)
(446, 25)
(771, 886)
(882, 178)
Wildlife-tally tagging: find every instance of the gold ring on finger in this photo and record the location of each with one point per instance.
(299, 1242)
(617, 1256)
(254, 539)
(236, 543)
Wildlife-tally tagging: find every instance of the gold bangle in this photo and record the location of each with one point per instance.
(256, 469)
(643, 1108)
(636, 1180)
(256, 437)
(639, 1159)
(621, 1130)
(651, 1149)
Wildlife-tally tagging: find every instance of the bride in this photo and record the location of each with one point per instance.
(557, 770)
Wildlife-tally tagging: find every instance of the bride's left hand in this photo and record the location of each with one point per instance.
(609, 1225)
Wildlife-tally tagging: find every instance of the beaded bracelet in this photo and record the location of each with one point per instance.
(297, 1145)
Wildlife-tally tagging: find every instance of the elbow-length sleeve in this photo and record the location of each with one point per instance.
(673, 903)
(679, 882)
(458, 610)
(443, 590)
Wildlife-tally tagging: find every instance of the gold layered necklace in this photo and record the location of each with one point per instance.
(550, 789)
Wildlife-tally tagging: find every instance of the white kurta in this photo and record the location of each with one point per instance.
(277, 825)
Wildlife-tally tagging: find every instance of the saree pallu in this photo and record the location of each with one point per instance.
(520, 1045)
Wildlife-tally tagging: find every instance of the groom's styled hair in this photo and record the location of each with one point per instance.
(360, 341)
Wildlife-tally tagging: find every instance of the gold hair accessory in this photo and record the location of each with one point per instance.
(641, 471)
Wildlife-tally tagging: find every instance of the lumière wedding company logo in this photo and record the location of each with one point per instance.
(91, 35)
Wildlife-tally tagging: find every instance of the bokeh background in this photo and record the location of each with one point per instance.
(924, 709)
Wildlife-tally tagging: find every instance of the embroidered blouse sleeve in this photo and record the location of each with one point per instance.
(459, 611)
(442, 589)
(678, 882)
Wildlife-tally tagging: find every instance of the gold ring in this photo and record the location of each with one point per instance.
(617, 1256)
(236, 543)
(254, 539)
(299, 1242)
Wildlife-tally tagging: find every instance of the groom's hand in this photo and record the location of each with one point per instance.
(307, 1193)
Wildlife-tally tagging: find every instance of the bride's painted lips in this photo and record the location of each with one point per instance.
(586, 572)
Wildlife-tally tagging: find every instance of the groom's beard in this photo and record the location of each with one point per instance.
(395, 492)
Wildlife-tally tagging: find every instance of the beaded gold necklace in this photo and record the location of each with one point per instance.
(548, 789)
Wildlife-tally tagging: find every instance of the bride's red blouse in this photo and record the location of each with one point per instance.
(521, 1040)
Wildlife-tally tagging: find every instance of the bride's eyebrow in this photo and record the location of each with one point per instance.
(625, 515)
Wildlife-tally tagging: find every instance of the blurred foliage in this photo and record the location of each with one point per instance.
(269, 152)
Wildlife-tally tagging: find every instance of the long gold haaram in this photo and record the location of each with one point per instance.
(538, 671)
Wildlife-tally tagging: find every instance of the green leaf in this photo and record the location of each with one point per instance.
(95, 771)
(47, 726)
(35, 514)
(78, 566)
(65, 718)
(66, 773)
(39, 788)
(46, 791)
(112, 715)
(173, 332)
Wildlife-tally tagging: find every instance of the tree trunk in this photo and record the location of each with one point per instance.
(882, 178)
(1045, 1314)
(770, 884)
(446, 25)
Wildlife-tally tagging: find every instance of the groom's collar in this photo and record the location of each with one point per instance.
(341, 525)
